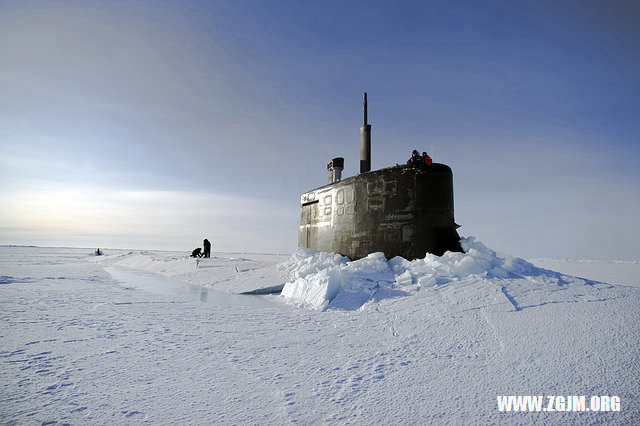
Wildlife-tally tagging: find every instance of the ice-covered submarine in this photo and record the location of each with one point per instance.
(400, 211)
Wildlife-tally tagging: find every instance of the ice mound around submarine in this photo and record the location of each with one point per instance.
(322, 280)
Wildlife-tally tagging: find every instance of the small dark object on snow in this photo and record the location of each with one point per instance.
(207, 248)
(197, 252)
(98, 252)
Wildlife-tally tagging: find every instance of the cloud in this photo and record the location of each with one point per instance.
(171, 219)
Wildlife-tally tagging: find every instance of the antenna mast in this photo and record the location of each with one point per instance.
(365, 141)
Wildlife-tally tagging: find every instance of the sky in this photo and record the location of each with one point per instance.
(156, 124)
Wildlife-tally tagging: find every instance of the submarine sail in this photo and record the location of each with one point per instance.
(401, 210)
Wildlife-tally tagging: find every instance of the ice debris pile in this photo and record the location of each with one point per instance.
(327, 280)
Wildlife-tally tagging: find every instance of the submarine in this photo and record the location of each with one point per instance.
(401, 210)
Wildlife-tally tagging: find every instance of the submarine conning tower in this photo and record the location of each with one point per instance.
(400, 211)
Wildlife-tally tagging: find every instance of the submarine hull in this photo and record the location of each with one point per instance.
(400, 211)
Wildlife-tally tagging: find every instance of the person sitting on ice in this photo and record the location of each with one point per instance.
(427, 160)
(197, 252)
(416, 160)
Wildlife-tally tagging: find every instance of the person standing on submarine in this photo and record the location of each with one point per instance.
(207, 248)
(427, 160)
(416, 160)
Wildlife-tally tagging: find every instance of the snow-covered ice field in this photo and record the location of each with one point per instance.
(619, 272)
(135, 337)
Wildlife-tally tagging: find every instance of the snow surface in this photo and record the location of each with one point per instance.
(235, 273)
(430, 341)
(619, 272)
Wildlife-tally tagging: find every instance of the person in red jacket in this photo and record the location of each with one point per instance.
(427, 160)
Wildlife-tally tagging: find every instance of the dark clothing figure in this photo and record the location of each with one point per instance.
(98, 252)
(207, 248)
(427, 160)
(416, 159)
(197, 252)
